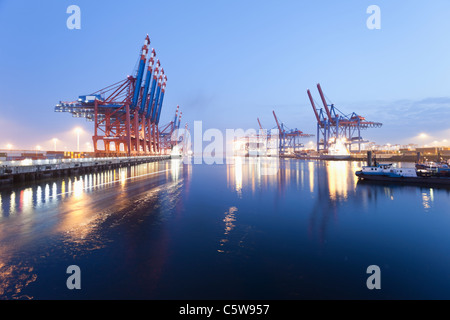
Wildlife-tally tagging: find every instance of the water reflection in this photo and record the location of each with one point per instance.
(73, 210)
(238, 175)
(427, 199)
(12, 204)
(42, 197)
(26, 200)
(255, 173)
(259, 174)
(229, 220)
(311, 167)
(337, 179)
(175, 168)
(10, 273)
(374, 193)
(328, 183)
(273, 215)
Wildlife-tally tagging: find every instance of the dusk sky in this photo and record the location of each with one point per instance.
(230, 62)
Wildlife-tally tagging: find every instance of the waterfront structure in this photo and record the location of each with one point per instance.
(333, 125)
(126, 114)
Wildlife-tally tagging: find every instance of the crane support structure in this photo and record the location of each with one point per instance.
(289, 139)
(169, 134)
(126, 114)
(280, 138)
(334, 126)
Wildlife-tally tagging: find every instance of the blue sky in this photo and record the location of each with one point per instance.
(229, 62)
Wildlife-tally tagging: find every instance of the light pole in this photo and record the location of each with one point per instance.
(78, 131)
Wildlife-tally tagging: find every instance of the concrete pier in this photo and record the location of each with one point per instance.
(21, 171)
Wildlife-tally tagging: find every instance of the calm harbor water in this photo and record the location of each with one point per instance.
(274, 229)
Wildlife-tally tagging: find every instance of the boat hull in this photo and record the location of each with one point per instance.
(334, 157)
(410, 180)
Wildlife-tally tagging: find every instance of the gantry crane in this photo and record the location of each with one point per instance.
(285, 140)
(333, 125)
(289, 139)
(169, 135)
(126, 113)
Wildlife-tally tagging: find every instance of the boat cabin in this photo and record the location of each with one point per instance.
(389, 170)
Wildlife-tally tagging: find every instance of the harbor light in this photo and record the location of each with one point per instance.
(78, 131)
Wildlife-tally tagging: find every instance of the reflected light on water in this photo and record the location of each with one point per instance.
(90, 183)
(175, 169)
(229, 220)
(338, 185)
(47, 193)
(252, 172)
(38, 196)
(78, 188)
(12, 203)
(311, 176)
(54, 191)
(427, 199)
(238, 175)
(26, 200)
(14, 278)
(63, 188)
(123, 178)
(69, 186)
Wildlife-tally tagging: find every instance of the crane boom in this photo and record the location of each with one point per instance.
(276, 120)
(147, 81)
(260, 126)
(313, 106)
(179, 121)
(324, 102)
(140, 73)
(175, 120)
(163, 90)
(156, 100)
(152, 90)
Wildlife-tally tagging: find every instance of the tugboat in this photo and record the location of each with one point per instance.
(434, 168)
(389, 173)
(385, 171)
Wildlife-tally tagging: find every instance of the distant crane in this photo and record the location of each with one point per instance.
(288, 140)
(260, 126)
(333, 125)
(169, 135)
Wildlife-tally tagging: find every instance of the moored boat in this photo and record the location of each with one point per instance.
(434, 168)
(387, 170)
(390, 173)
